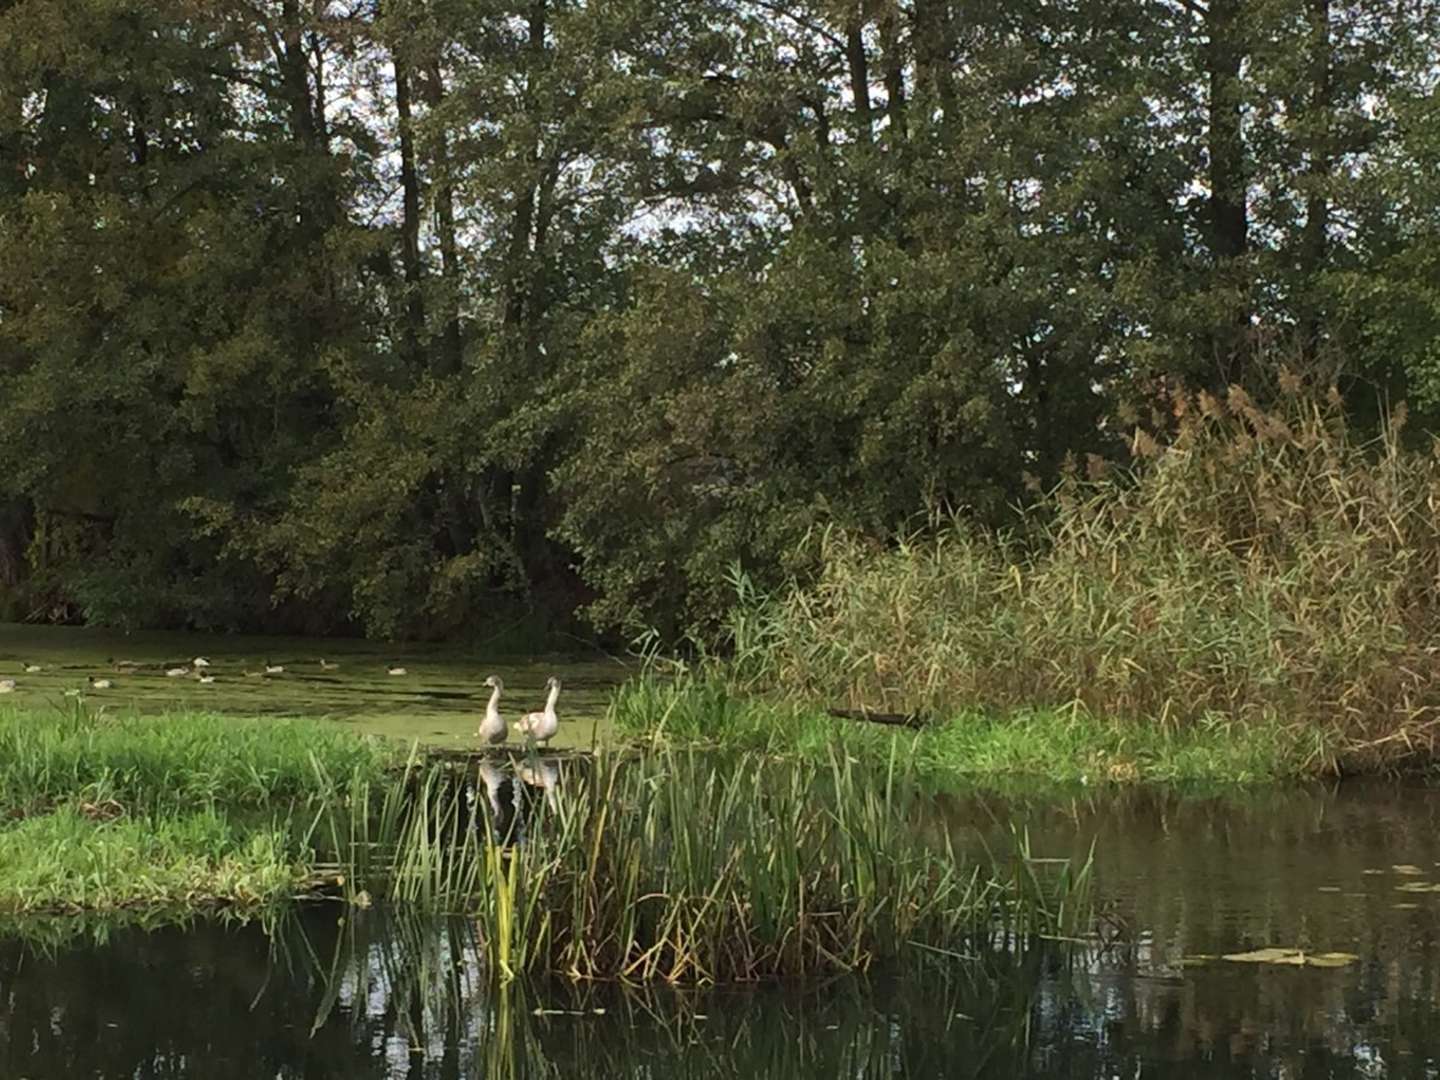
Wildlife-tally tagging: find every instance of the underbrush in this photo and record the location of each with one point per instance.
(1258, 569)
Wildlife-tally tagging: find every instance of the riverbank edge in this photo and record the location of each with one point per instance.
(1024, 749)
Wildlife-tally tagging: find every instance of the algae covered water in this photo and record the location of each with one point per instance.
(436, 696)
(1183, 881)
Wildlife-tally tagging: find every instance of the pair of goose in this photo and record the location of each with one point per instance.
(535, 727)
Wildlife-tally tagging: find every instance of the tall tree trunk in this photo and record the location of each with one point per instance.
(1314, 240)
(894, 77)
(1229, 219)
(858, 64)
(517, 307)
(295, 74)
(410, 212)
(451, 348)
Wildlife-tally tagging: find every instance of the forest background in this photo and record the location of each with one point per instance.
(404, 318)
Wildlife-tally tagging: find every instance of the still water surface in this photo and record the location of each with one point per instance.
(1180, 878)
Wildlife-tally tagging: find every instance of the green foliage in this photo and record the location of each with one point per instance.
(190, 760)
(1027, 749)
(178, 812)
(1259, 568)
(384, 321)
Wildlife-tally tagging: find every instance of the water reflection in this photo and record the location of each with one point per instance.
(334, 992)
(511, 787)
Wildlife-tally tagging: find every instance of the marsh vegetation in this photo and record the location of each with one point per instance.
(1256, 597)
(673, 866)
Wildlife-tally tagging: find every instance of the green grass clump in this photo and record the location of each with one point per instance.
(71, 860)
(678, 867)
(181, 811)
(1257, 568)
(179, 760)
(1046, 746)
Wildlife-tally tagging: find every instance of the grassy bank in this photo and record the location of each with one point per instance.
(671, 866)
(191, 810)
(1020, 748)
(1256, 576)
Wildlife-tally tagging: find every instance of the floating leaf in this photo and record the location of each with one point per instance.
(1293, 958)
(1405, 906)
(1406, 868)
(1418, 886)
(1328, 888)
(1268, 956)
(1330, 959)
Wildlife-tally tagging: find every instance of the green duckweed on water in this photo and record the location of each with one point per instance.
(438, 701)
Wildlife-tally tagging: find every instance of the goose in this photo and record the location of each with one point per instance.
(100, 684)
(7, 686)
(200, 662)
(33, 669)
(326, 665)
(396, 669)
(539, 727)
(274, 669)
(176, 672)
(492, 727)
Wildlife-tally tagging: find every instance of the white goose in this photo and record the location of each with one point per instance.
(492, 727)
(539, 727)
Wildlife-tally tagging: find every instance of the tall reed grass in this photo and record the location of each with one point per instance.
(667, 867)
(1252, 567)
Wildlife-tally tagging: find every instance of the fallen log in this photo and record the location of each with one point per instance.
(910, 720)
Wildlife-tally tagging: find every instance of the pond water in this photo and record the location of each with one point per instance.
(438, 700)
(1182, 880)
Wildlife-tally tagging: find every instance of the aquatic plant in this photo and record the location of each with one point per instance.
(679, 867)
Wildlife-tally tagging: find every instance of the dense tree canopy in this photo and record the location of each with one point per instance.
(396, 314)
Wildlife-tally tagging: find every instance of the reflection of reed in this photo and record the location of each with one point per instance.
(384, 994)
(423, 981)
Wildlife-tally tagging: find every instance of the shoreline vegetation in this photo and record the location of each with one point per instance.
(649, 867)
(1256, 599)
(1251, 603)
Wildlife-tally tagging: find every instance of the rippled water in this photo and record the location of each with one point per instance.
(1180, 878)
